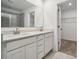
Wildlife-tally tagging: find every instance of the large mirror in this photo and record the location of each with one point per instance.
(20, 13)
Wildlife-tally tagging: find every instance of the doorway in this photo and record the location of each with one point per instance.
(67, 27)
(59, 28)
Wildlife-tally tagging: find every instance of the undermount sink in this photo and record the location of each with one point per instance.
(20, 34)
(15, 34)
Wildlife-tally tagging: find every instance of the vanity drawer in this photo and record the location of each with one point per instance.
(48, 34)
(40, 42)
(40, 49)
(40, 37)
(19, 43)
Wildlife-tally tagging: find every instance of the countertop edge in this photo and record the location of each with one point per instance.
(20, 38)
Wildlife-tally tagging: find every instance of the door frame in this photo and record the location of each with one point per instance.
(59, 26)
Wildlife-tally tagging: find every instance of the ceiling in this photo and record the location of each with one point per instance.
(65, 5)
(18, 5)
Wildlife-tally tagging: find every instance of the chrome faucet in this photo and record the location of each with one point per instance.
(17, 31)
(41, 28)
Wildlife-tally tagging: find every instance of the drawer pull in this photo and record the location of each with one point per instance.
(40, 45)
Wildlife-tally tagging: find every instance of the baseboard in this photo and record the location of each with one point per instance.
(69, 40)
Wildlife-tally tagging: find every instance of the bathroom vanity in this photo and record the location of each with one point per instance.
(31, 45)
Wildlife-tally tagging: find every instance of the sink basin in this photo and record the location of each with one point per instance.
(14, 34)
(20, 34)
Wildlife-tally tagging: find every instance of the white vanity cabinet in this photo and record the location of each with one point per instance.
(48, 42)
(30, 51)
(26, 52)
(16, 54)
(33, 47)
(22, 49)
(40, 46)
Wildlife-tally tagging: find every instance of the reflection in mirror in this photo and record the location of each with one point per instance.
(20, 20)
(20, 14)
(32, 19)
(5, 21)
(8, 20)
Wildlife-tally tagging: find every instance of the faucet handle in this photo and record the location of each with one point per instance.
(17, 31)
(41, 28)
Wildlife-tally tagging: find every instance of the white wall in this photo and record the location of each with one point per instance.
(50, 14)
(69, 25)
(50, 19)
(38, 17)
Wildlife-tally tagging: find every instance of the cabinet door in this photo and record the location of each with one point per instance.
(31, 51)
(16, 54)
(48, 44)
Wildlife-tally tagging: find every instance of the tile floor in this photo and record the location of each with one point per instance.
(68, 51)
(59, 55)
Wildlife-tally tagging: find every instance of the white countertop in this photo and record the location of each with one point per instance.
(13, 37)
